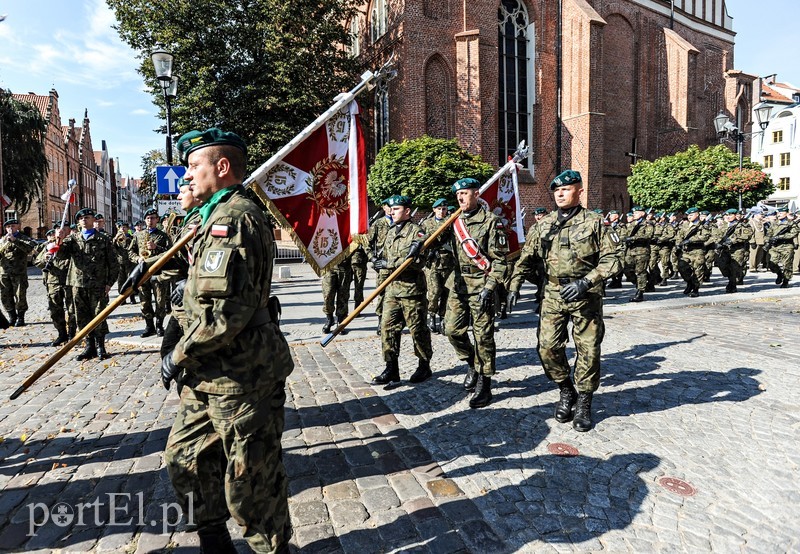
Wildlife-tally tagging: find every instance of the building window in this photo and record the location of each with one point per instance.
(355, 36)
(777, 136)
(381, 118)
(377, 20)
(783, 183)
(768, 161)
(786, 158)
(516, 79)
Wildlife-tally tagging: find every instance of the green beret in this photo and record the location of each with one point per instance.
(385, 201)
(691, 211)
(629, 214)
(73, 227)
(659, 214)
(568, 177)
(56, 225)
(50, 232)
(99, 216)
(466, 183)
(138, 222)
(400, 200)
(451, 208)
(83, 213)
(638, 209)
(151, 211)
(12, 222)
(732, 211)
(440, 202)
(613, 212)
(540, 210)
(783, 209)
(183, 182)
(195, 140)
(705, 212)
(598, 210)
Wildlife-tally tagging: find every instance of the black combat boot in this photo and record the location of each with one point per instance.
(730, 287)
(378, 330)
(432, 322)
(566, 401)
(663, 282)
(689, 287)
(101, 348)
(616, 283)
(149, 329)
(695, 292)
(160, 326)
(483, 393)
(583, 412)
(215, 539)
(328, 324)
(422, 373)
(471, 378)
(72, 330)
(12, 316)
(778, 281)
(89, 352)
(62, 337)
(390, 375)
(651, 283)
(339, 322)
(4, 323)
(20, 320)
(784, 285)
(639, 296)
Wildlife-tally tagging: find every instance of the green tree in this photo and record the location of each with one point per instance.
(699, 178)
(424, 169)
(261, 68)
(150, 161)
(24, 160)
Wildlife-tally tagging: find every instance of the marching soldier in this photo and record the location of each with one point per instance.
(55, 279)
(100, 223)
(666, 246)
(122, 243)
(145, 244)
(690, 242)
(404, 302)
(614, 224)
(375, 237)
(780, 244)
(223, 454)
(479, 241)
(91, 272)
(336, 292)
(638, 237)
(710, 247)
(15, 247)
(578, 256)
(439, 265)
(732, 241)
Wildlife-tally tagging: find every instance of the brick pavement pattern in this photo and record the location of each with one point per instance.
(695, 446)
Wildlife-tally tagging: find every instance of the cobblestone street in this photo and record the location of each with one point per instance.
(695, 446)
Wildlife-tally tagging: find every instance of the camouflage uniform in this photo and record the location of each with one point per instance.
(439, 266)
(358, 266)
(14, 274)
(781, 248)
(732, 252)
(578, 248)
(224, 447)
(404, 299)
(691, 254)
(336, 289)
(122, 242)
(375, 237)
(638, 236)
(465, 284)
(55, 280)
(710, 249)
(152, 287)
(666, 246)
(92, 267)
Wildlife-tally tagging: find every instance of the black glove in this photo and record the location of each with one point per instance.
(487, 301)
(575, 290)
(378, 264)
(629, 240)
(414, 250)
(177, 294)
(511, 301)
(135, 276)
(771, 242)
(168, 370)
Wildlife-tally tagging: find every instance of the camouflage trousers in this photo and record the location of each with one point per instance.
(781, 258)
(380, 278)
(399, 312)
(437, 292)
(463, 309)
(14, 291)
(359, 278)
(336, 291)
(635, 268)
(224, 459)
(692, 266)
(711, 257)
(733, 263)
(666, 256)
(588, 330)
(57, 305)
(88, 302)
(125, 268)
(150, 291)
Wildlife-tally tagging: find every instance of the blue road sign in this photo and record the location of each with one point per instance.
(167, 177)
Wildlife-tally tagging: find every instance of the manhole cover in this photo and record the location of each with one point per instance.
(677, 486)
(562, 449)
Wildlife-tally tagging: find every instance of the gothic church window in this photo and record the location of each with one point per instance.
(516, 79)
(377, 20)
(381, 118)
(355, 35)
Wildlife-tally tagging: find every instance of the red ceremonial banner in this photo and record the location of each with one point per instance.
(502, 198)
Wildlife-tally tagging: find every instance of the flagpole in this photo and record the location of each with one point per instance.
(368, 80)
(522, 152)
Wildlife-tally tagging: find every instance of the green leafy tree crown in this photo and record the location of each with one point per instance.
(709, 179)
(423, 168)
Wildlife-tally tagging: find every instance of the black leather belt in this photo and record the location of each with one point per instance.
(471, 270)
(559, 280)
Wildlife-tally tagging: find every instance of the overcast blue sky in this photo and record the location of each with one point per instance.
(69, 45)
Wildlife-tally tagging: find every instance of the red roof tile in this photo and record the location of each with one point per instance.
(41, 102)
(772, 95)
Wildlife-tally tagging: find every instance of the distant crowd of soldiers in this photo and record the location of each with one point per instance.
(78, 274)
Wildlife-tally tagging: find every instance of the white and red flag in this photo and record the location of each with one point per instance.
(502, 198)
(5, 200)
(318, 189)
(69, 196)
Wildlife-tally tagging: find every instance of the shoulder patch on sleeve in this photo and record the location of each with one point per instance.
(220, 231)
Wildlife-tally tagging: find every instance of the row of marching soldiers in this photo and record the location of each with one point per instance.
(81, 262)
(656, 246)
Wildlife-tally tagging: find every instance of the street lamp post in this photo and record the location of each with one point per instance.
(727, 130)
(162, 61)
